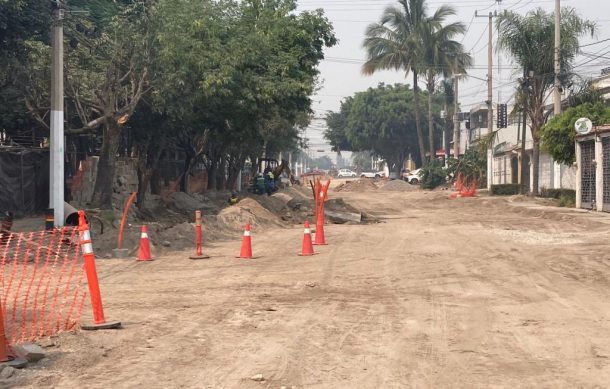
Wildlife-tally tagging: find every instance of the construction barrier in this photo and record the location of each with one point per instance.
(41, 280)
(92, 280)
(320, 194)
(198, 238)
(464, 187)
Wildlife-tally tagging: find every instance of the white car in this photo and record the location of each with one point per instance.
(372, 174)
(413, 177)
(346, 173)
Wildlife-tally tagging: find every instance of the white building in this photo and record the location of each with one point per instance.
(504, 157)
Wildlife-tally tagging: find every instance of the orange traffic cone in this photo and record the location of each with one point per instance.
(144, 251)
(246, 244)
(307, 245)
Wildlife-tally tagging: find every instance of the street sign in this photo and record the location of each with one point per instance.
(583, 126)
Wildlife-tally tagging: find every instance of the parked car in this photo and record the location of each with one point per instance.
(372, 174)
(412, 177)
(346, 173)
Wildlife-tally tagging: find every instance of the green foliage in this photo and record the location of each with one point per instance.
(557, 193)
(408, 39)
(505, 189)
(221, 81)
(362, 160)
(432, 174)
(530, 40)
(380, 120)
(566, 197)
(558, 135)
(472, 165)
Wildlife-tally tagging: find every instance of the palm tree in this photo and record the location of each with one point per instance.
(446, 89)
(395, 43)
(441, 56)
(530, 40)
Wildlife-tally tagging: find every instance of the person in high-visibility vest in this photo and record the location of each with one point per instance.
(269, 182)
(233, 199)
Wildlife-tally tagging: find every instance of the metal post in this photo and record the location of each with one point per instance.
(557, 88)
(56, 152)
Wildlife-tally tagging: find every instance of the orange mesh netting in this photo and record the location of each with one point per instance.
(41, 281)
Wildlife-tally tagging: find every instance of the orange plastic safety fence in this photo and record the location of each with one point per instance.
(41, 281)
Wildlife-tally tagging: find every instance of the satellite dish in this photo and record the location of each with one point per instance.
(583, 126)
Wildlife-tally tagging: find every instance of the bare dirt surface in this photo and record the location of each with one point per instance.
(468, 293)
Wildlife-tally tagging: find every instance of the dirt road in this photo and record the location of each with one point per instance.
(463, 293)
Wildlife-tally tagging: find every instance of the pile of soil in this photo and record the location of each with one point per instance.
(361, 185)
(398, 186)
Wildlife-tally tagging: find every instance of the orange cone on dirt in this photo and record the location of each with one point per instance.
(307, 245)
(246, 244)
(144, 251)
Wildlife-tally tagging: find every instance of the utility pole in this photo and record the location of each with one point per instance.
(557, 88)
(490, 120)
(523, 132)
(456, 119)
(56, 149)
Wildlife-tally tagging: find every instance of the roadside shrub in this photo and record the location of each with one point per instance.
(505, 189)
(566, 197)
(558, 193)
(432, 175)
(567, 201)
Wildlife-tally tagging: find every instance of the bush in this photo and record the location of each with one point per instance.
(505, 189)
(566, 197)
(432, 175)
(558, 193)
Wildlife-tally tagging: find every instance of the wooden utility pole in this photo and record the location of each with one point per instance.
(56, 149)
(557, 88)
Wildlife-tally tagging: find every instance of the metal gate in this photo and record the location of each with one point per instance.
(587, 151)
(606, 164)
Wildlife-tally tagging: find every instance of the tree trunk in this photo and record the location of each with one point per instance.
(106, 167)
(155, 188)
(430, 122)
(146, 170)
(420, 135)
(144, 176)
(184, 178)
(535, 164)
(234, 169)
(221, 177)
(212, 173)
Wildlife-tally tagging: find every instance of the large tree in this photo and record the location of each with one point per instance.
(395, 43)
(530, 40)
(441, 55)
(380, 120)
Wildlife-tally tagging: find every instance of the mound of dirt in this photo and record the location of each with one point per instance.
(361, 185)
(398, 186)
(250, 211)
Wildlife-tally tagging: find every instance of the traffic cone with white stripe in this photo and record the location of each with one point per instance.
(246, 244)
(307, 245)
(144, 251)
(99, 321)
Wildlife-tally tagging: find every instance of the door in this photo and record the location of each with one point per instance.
(587, 156)
(606, 165)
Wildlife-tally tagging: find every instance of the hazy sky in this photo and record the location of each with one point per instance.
(340, 71)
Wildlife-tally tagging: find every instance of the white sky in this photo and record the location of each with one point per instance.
(340, 71)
